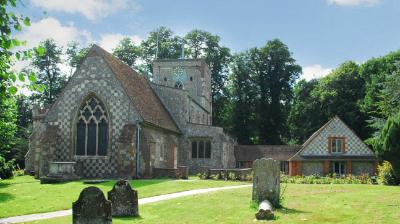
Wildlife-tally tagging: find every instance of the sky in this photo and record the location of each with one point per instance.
(321, 34)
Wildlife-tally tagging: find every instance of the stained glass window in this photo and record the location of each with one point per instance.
(92, 129)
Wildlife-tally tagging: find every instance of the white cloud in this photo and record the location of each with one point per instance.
(52, 28)
(353, 2)
(314, 72)
(109, 41)
(91, 9)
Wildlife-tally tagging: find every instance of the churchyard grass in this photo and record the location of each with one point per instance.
(25, 195)
(304, 203)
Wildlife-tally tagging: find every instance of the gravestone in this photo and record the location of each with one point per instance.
(124, 199)
(266, 180)
(91, 208)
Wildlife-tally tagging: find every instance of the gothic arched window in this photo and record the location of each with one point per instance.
(92, 129)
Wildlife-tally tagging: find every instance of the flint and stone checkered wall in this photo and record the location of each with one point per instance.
(93, 77)
(319, 145)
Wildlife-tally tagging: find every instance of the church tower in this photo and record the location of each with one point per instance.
(191, 75)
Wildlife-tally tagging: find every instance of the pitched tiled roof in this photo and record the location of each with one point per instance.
(253, 152)
(139, 91)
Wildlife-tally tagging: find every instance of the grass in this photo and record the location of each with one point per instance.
(25, 195)
(303, 204)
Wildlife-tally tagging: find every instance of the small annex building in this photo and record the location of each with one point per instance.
(246, 154)
(333, 149)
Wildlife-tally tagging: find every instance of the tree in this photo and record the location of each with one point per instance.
(340, 93)
(388, 144)
(75, 54)
(10, 23)
(8, 127)
(243, 98)
(169, 46)
(275, 72)
(375, 72)
(202, 44)
(305, 114)
(20, 145)
(48, 71)
(127, 51)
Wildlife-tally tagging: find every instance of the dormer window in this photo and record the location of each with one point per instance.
(336, 144)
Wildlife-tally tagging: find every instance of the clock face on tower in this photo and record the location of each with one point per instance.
(179, 75)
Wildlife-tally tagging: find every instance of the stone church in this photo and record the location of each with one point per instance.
(111, 122)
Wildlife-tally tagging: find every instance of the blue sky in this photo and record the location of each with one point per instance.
(320, 33)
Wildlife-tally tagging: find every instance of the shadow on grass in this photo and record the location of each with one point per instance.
(121, 218)
(134, 183)
(4, 185)
(285, 210)
(6, 197)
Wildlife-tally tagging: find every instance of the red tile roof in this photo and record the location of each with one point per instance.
(138, 89)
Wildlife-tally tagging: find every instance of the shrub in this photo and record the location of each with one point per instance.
(232, 176)
(329, 179)
(386, 174)
(6, 168)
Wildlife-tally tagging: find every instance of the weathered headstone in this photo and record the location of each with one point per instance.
(124, 199)
(266, 180)
(91, 208)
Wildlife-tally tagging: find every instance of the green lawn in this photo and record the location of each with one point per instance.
(303, 204)
(25, 195)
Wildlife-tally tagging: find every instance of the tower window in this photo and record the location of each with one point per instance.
(191, 78)
(165, 79)
(92, 129)
(178, 85)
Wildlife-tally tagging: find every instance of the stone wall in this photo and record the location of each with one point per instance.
(176, 101)
(158, 149)
(222, 155)
(312, 168)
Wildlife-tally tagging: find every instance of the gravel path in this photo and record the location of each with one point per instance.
(142, 201)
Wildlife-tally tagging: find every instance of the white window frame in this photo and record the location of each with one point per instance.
(338, 145)
(340, 163)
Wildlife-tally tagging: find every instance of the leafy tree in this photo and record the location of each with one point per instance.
(21, 137)
(169, 46)
(8, 127)
(48, 71)
(127, 51)
(275, 72)
(305, 114)
(389, 103)
(375, 73)
(388, 144)
(202, 44)
(340, 93)
(75, 54)
(9, 23)
(242, 98)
